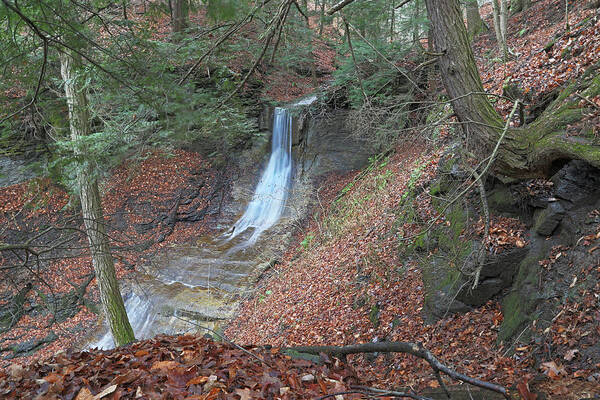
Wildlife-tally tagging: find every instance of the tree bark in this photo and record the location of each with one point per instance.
(474, 22)
(500, 16)
(87, 185)
(525, 152)
(322, 18)
(180, 15)
(519, 5)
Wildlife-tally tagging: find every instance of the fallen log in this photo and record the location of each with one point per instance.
(415, 349)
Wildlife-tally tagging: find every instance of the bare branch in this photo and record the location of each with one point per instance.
(338, 6)
(415, 349)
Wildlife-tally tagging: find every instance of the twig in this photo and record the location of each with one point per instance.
(587, 100)
(337, 7)
(44, 60)
(486, 230)
(222, 39)
(280, 20)
(403, 3)
(489, 163)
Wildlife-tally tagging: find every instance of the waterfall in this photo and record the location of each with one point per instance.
(271, 193)
(215, 267)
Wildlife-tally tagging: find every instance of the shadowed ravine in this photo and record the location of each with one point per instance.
(201, 284)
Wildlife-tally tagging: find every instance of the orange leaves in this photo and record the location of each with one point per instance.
(523, 389)
(133, 195)
(537, 71)
(218, 371)
(504, 233)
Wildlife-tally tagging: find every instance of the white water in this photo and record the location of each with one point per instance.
(271, 193)
(263, 211)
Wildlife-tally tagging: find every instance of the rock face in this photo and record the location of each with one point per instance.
(321, 143)
(558, 217)
(13, 171)
(325, 144)
(548, 219)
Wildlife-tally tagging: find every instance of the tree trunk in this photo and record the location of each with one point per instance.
(525, 152)
(474, 22)
(180, 15)
(87, 185)
(519, 5)
(392, 20)
(416, 28)
(500, 11)
(322, 18)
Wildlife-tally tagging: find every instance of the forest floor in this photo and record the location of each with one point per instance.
(342, 280)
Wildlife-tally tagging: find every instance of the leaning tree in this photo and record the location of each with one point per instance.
(526, 151)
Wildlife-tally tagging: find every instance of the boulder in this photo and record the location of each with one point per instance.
(547, 220)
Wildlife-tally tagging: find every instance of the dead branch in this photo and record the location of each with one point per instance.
(490, 161)
(338, 6)
(486, 230)
(279, 20)
(223, 38)
(394, 393)
(415, 349)
(403, 3)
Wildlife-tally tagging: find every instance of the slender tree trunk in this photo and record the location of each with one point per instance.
(474, 22)
(500, 16)
(567, 15)
(180, 15)
(322, 18)
(87, 185)
(416, 29)
(392, 20)
(525, 152)
(281, 28)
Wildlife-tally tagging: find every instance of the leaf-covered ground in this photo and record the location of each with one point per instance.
(176, 367)
(342, 281)
(345, 284)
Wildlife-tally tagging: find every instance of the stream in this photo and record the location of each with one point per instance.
(202, 284)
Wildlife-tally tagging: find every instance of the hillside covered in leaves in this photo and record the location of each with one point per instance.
(497, 278)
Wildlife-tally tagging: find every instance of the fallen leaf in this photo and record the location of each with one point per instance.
(552, 370)
(199, 380)
(245, 394)
(164, 365)
(571, 354)
(105, 392)
(84, 394)
(523, 389)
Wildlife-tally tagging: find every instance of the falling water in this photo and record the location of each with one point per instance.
(270, 195)
(218, 266)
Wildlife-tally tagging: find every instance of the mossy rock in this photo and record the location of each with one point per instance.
(518, 307)
(503, 200)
